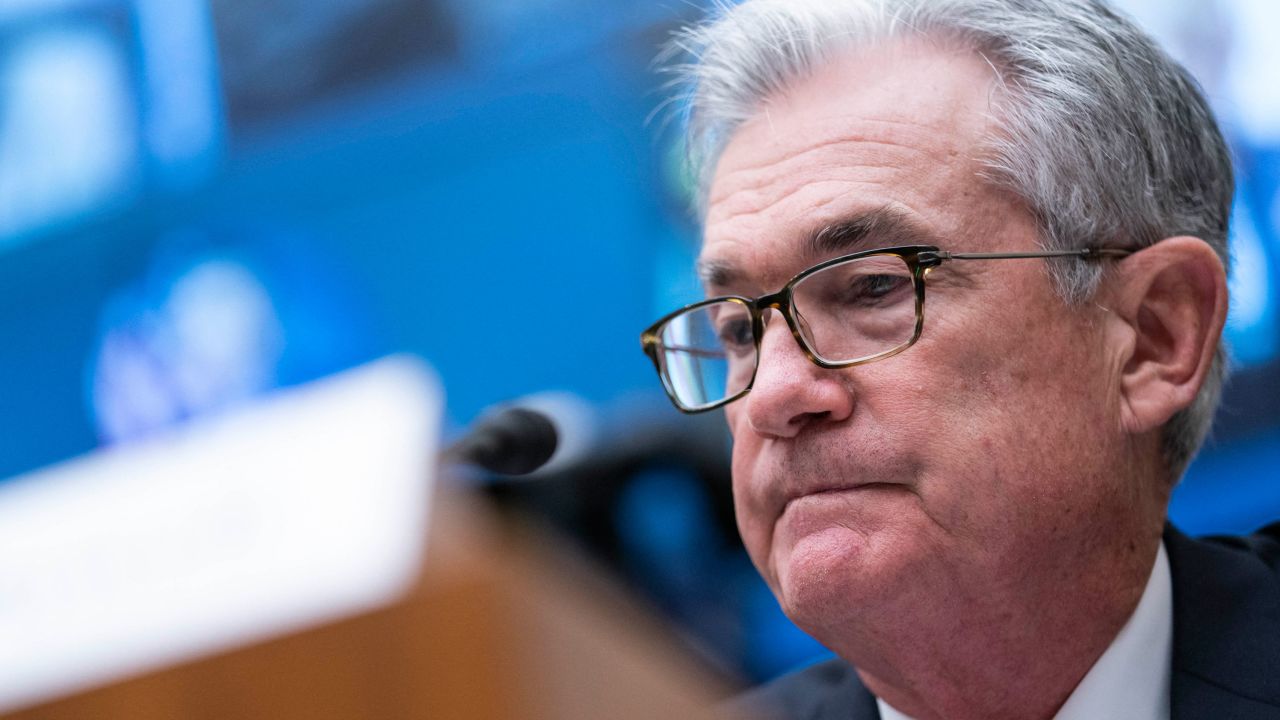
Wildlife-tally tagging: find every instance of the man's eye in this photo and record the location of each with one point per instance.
(877, 289)
(736, 333)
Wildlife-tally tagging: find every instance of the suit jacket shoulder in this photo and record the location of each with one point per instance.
(828, 690)
(1226, 625)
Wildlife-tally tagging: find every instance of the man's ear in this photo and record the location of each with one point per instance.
(1173, 296)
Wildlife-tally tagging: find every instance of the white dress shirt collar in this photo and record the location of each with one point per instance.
(1132, 679)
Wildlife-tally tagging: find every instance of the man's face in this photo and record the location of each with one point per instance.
(980, 459)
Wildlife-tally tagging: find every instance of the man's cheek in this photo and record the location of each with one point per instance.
(736, 419)
(756, 533)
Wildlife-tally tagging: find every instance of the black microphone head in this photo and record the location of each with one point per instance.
(515, 441)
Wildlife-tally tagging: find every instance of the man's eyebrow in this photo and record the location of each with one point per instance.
(717, 273)
(882, 227)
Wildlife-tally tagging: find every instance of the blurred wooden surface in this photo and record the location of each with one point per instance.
(504, 623)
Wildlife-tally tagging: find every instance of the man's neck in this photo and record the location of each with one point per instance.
(1017, 652)
(1133, 677)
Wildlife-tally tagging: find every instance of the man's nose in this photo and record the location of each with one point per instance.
(790, 391)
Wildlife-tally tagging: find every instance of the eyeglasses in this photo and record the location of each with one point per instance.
(843, 312)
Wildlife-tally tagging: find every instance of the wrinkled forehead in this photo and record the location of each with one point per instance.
(897, 131)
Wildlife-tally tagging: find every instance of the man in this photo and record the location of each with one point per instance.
(967, 269)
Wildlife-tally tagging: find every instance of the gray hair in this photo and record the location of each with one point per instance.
(1105, 138)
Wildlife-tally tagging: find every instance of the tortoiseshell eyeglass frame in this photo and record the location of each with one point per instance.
(919, 259)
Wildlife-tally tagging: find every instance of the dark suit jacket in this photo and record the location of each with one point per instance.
(1226, 642)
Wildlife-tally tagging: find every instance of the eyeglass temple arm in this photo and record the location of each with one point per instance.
(1085, 253)
(687, 349)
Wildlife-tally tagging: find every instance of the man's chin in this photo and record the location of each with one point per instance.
(825, 572)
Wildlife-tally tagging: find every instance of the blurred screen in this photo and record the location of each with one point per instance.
(69, 124)
(203, 201)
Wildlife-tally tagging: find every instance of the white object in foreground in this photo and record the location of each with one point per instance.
(304, 508)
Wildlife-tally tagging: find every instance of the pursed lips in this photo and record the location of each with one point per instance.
(799, 494)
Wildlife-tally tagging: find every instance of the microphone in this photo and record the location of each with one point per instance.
(514, 441)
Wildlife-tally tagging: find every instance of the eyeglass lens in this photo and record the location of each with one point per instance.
(847, 312)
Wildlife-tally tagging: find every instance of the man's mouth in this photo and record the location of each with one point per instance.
(834, 490)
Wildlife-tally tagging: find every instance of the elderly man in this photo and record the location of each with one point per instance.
(965, 269)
